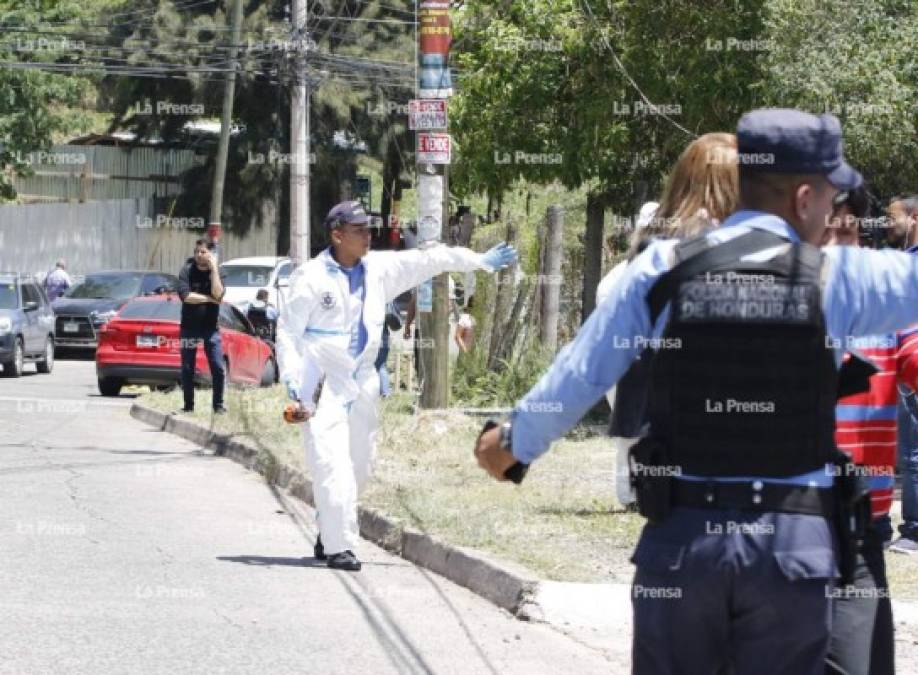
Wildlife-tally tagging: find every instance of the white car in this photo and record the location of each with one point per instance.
(243, 277)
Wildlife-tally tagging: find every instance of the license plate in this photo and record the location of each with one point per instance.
(71, 327)
(147, 341)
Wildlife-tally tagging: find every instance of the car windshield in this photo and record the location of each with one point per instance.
(104, 286)
(9, 297)
(153, 310)
(249, 276)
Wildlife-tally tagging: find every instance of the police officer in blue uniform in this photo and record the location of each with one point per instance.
(738, 476)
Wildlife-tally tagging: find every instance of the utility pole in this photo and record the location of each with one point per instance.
(434, 156)
(299, 140)
(214, 227)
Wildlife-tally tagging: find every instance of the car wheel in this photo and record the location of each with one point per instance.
(13, 367)
(269, 374)
(46, 365)
(110, 386)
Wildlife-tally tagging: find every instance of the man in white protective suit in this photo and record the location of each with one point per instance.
(331, 327)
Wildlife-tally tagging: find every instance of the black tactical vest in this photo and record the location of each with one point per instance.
(750, 389)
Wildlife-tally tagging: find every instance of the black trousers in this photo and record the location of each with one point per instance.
(862, 624)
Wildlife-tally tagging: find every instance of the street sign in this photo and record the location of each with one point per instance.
(427, 114)
(433, 148)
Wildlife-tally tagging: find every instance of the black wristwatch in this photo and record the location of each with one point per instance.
(517, 472)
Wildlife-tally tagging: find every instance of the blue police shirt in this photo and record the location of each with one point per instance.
(865, 293)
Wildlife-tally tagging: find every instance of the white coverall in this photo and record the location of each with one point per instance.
(313, 337)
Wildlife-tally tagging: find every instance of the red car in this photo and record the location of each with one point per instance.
(140, 345)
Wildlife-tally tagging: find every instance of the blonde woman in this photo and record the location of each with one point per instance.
(702, 190)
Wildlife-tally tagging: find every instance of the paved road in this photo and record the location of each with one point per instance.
(127, 550)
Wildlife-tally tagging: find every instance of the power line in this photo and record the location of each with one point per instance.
(627, 75)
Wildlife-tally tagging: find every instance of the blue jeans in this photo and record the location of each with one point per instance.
(908, 463)
(213, 349)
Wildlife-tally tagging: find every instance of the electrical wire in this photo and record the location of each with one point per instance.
(621, 67)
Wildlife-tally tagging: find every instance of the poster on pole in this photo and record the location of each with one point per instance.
(426, 114)
(435, 35)
(434, 148)
(430, 208)
(425, 296)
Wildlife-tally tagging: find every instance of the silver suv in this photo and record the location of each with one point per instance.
(26, 325)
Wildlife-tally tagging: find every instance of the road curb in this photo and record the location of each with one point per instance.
(508, 586)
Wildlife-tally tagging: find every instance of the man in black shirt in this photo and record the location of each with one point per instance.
(201, 291)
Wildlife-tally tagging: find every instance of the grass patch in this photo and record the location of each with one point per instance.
(561, 522)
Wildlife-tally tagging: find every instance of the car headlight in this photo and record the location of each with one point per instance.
(6, 325)
(99, 318)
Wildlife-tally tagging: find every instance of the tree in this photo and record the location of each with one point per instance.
(547, 94)
(343, 66)
(858, 60)
(33, 103)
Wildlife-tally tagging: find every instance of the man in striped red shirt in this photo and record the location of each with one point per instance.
(903, 216)
(866, 429)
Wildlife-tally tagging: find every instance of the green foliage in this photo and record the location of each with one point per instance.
(539, 77)
(32, 103)
(475, 385)
(858, 60)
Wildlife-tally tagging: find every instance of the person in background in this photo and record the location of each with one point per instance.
(262, 302)
(58, 281)
(465, 327)
(201, 291)
(865, 428)
(262, 315)
(903, 214)
(703, 188)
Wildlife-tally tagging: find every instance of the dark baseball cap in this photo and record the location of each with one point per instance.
(346, 212)
(782, 140)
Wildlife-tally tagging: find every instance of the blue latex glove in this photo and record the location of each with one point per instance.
(293, 391)
(499, 257)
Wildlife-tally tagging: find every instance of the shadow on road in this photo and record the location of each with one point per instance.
(270, 561)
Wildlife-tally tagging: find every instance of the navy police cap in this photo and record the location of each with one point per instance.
(346, 212)
(781, 140)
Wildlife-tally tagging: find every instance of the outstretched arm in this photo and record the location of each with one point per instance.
(402, 270)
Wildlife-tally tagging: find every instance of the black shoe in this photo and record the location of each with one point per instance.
(318, 550)
(346, 560)
(220, 410)
(187, 409)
